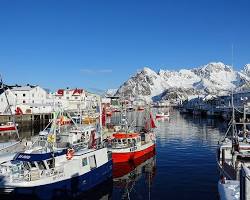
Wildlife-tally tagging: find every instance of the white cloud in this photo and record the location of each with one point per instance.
(99, 71)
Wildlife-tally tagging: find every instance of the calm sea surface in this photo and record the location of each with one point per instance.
(184, 166)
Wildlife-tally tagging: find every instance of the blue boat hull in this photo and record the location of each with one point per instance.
(73, 186)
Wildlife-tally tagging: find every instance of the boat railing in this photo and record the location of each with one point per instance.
(37, 174)
(122, 145)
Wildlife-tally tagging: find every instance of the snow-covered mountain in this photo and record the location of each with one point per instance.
(109, 92)
(213, 78)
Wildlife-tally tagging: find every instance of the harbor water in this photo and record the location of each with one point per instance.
(183, 167)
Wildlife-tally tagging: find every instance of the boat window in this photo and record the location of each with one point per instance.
(26, 165)
(124, 141)
(138, 139)
(84, 162)
(119, 141)
(129, 141)
(92, 162)
(41, 165)
(50, 163)
(32, 164)
(134, 141)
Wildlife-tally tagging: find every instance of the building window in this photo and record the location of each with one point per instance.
(33, 95)
(67, 98)
(76, 97)
(1, 99)
(33, 101)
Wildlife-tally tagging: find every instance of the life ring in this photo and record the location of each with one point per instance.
(70, 154)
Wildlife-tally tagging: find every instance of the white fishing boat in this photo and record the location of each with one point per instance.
(57, 169)
(57, 160)
(233, 159)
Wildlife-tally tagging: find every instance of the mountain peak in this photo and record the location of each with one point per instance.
(148, 70)
(246, 69)
(217, 67)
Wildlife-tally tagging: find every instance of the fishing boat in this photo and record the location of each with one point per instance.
(234, 149)
(140, 108)
(233, 158)
(128, 145)
(57, 169)
(109, 113)
(56, 161)
(9, 126)
(161, 115)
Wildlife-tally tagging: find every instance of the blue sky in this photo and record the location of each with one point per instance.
(100, 44)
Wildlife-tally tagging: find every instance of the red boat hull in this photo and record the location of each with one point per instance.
(10, 128)
(121, 169)
(157, 117)
(130, 156)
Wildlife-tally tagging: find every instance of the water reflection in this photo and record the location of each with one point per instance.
(131, 178)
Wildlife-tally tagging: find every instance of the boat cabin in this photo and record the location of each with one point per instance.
(121, 140)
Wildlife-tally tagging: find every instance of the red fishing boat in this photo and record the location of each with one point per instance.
(140, 108)
(109, 113)
(9, 126)
(161, 115)
(129, 146)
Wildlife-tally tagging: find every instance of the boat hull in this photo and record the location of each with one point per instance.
(127, 156)
(81, 183)
(121, 169)
(7, 128)
(161, 116)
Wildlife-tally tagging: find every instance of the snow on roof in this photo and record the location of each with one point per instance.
(22, 88)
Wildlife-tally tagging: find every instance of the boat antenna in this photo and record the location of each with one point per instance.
(9, 109)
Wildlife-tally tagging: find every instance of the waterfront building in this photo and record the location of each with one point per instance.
(4, 107)
(75, 99)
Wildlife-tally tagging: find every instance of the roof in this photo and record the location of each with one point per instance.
(23, 88)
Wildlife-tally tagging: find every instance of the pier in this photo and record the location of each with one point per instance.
(28, 120)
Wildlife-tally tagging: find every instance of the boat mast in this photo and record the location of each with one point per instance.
(244, 123)
(100, 115)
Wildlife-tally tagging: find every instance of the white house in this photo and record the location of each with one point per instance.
(30, 95)
(70, 99)
(3, 101)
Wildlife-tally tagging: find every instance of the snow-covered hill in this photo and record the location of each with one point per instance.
(109, 92)
(213, 78)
